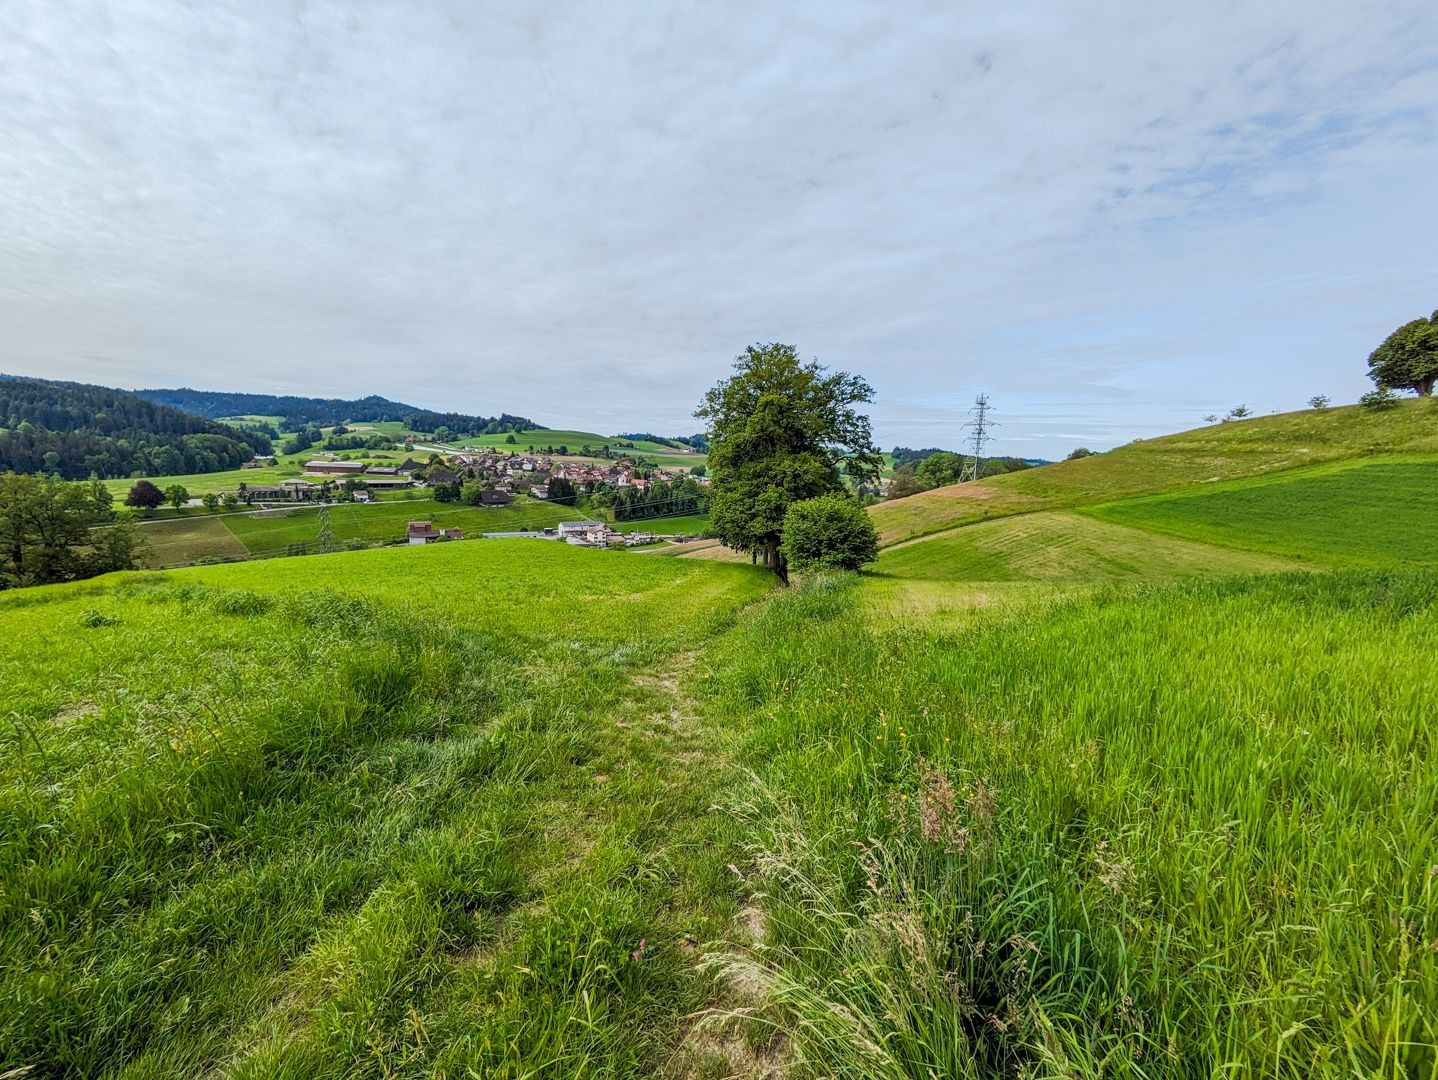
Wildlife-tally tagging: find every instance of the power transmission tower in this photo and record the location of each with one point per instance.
(978, 429)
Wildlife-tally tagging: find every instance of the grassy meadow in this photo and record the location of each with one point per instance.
(1086, 778)
(1265, 444)
(1376, 512)
(184, 540)
(1158, 830)
(434, 819)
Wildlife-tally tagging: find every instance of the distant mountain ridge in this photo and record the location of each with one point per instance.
(299, 411)
(75, 430)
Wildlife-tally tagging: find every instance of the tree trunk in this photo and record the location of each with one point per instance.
(1425, 386)
(774, 559)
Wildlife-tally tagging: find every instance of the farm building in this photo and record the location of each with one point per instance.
(424, 532)
(334, 468)
(588, 533)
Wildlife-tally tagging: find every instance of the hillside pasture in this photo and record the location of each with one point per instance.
(1150, 831)
(1266, 444)
(271, 532)
(1361, 513)
(430, 817)
(183, 540)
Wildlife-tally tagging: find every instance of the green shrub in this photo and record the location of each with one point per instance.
(831, 532)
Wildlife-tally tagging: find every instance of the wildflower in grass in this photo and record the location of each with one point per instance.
(1115, 873)
(638, 954)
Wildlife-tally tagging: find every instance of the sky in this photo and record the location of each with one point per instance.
(1112, 218)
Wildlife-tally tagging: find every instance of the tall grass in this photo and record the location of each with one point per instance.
(1186, 830)
(282, 831)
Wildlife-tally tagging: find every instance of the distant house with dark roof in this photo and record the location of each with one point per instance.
(494, 498)
(423, 532)
(441, 476)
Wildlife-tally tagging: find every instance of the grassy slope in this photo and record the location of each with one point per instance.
(1218, 452)
(184, 540)
(1161, 831)
(1020, 559)
(1379, 512)
(270, 532)
(440, 819)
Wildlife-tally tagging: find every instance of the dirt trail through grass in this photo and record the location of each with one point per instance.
(692, 756)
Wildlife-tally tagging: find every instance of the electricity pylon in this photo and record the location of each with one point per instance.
(978, 429)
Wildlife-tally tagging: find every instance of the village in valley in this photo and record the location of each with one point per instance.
(494, 477)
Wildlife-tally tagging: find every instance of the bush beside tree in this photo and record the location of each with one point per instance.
(831, 532)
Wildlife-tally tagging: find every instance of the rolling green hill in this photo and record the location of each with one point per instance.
(1363, 512)
(1202, 456)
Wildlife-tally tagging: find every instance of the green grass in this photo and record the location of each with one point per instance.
(1205, 455)
(1061, 545)
(687, 524)
(1361, 513)
(1158, 831)
(435, 820)
(1082, 792)
(182, 540)
(272, 531)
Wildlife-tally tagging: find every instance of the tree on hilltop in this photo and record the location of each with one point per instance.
(1408, 358)
(779, 430)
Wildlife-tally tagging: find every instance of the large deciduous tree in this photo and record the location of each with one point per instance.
(779, 430)
(145, 496)
(48, 531)
(1408, 358)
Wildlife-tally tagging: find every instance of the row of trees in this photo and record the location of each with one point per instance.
(53, 530)
(938, 468)
(656, 500)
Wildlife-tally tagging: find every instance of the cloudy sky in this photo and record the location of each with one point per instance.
(1112, 220)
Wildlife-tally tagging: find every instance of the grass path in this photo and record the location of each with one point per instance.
(255, 829)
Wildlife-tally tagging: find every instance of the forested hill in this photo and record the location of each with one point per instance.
(300, 411)
(73, 430)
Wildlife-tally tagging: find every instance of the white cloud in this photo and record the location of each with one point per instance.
(581, 212)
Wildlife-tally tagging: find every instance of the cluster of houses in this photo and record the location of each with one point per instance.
(504, 476)
(532, 474)
(327, 471)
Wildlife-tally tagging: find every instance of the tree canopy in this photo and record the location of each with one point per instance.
(779, 430)
(72, 430)
(1408, 358)
(48, 534)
